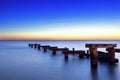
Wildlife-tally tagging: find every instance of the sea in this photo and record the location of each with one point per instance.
(20, 62)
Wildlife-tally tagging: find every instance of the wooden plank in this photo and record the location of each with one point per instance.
(117, 50)
(101, 45)
(52, 48)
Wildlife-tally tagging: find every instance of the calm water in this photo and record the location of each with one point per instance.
(20, 62)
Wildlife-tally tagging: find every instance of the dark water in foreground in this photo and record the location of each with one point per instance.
(19, 62)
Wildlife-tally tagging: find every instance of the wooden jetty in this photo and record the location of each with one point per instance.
(33, 45)
(55, 49)
(81, 53)
(94, 55)
(45, 47)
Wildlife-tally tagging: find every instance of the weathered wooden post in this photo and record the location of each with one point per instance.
(38, 47)
(94, 54)
(81, 53)
(54, 52)
(29, 45)
(88, 53)
(93, 58)
(35, 45)
(111, 55)
(32, 45)
(44, 49)
(66, 55)
(53, 49)
(73, 49)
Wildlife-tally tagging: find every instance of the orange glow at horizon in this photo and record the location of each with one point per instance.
(68, 33)
(58, 37)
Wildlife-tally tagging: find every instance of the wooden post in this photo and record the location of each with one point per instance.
(66, 55)
(111, 55)
(73, 49)
(93, 58)
(81, 54)
(94, 54)
(87, 53)
(29, 45)
(32, 45)
(35, 45)
(65, 52)
(38, 47)
(54, 52)
(44, 49)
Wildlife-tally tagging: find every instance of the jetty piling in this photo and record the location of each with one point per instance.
(38, 47)
(65, 55)
(87, 54)
(35, 45)
(92, 52)
(30, 45)
(44, 47)
(59, 49)
(53, 49)
(111, 55)
(73, 49)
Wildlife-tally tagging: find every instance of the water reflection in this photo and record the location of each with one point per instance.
(112, 71)
(94, 74)
(18, 62)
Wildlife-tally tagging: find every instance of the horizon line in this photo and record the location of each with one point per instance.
(61, 39)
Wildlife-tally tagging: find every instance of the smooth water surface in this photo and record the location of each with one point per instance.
(20, 62)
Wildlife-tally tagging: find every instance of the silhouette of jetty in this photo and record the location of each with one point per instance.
(94, 55)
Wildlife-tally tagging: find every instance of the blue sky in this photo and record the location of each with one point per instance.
(46, 15)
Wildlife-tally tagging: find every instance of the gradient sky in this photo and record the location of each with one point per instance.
(60, 19)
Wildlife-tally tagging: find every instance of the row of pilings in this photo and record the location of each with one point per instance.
(65, 50)
(101, 56)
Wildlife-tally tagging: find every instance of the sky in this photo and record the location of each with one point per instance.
(60, 19)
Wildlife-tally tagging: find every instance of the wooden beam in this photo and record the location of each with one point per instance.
(101, 45)
(117, 50)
